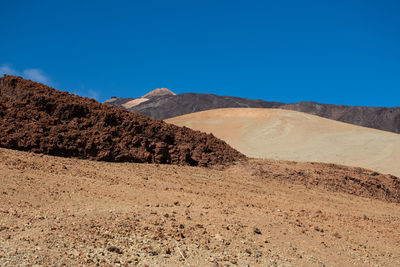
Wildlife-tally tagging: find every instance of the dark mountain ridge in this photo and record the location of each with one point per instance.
(381, 118)
(168, 106)
(164, 107)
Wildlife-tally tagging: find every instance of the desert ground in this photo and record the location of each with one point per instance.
(58, 211)
(291, 135)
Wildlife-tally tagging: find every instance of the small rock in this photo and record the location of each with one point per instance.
(316, 228)
(257, 231)
(153, 253)
(114, 249)
(337, 235)
(218, 237)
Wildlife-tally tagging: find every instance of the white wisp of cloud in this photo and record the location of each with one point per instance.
(7, 69)
(36, 75)
(33, 74)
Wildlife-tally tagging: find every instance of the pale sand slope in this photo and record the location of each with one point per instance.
(58, 211)
(134, 102)
(292, 135)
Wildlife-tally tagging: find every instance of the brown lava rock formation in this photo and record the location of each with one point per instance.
(37, 118)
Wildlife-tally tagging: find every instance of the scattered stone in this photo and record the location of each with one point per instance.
(337, 235)
(154, 253)
(316, 228)
(258, 254)
(114, 249)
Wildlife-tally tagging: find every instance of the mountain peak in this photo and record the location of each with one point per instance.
(158, 92)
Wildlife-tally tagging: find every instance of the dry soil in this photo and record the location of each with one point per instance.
(57, 211)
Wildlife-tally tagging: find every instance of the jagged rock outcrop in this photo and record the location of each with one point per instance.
(37, 118)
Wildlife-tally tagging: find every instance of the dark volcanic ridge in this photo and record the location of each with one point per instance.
(37, 118)
(169, 106)
(381, 118)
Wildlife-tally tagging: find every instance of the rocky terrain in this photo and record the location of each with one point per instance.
(62, 211)
(170, 105)
(291, 135)
(74, 192)
(37, 118)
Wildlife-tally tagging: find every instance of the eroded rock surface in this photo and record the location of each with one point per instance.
(37, 118)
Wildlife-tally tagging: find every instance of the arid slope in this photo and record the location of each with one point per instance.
(37, 118)
(292, 135)
(59, 211)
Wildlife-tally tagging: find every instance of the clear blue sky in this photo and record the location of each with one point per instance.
(341, 52)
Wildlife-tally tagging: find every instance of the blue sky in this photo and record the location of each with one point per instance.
(340, 52)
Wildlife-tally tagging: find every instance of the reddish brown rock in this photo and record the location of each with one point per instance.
(37, 118)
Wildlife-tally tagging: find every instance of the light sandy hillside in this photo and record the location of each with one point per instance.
(69, 212)
(291, 135)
